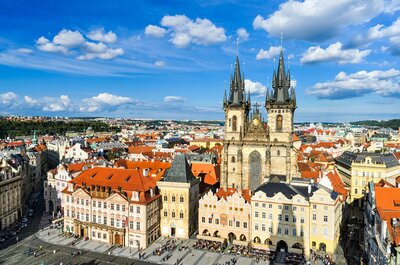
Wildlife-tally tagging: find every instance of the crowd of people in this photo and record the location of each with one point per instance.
(168, 246)
(324, 258)
(248, 251)
(209, 245)
(294, 258)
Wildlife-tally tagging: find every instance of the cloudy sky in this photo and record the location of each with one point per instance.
(173, 59)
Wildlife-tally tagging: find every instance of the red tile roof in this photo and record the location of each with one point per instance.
(154, 167)
(386, 199)
(209, 171)
(222, 193)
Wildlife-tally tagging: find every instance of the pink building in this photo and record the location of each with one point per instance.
(113, 205)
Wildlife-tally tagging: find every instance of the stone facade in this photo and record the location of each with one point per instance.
(253, 150)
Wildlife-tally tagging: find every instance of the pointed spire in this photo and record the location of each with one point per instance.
(225, 100)
(248, 99)
(237, 94)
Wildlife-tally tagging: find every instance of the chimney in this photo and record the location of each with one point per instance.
(309, 188)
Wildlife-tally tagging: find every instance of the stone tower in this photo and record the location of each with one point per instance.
(253, 150)
(280, 108)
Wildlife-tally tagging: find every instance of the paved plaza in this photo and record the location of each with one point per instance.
(184, 255)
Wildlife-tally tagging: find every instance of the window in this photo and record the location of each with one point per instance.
(256, 204)
(264, 215)
(237, 223)
(302, 220)
(279, 217)
(286, 208)
(112, 221)
(270, 229)
(325, 218)
(123, 208)
(263, 227)
(279, 230)
(234, 123)
(244, 224)
(294, 231)
(181, 199)
(314, 217)
(112, 206)
(355, 191)
(87, 217)
(165, 198)
(210, 220)
(203, 219)
(270, 206)
(93, 234)
(256, 214)
(137, 225)
(94, 218)
(181, 215)
(173, 214)
(286, 218)
(138, 209)
(256, 226)
(98, 235)
(294, 219)
(279, 207)
(233, 160)
(105, 205)
(87, 202)
(230, 222)
(104, 236)
(94, 203)
(173, 198)
(118, 207)
(217, 221)
(294, 208)
(314, 206)
(82, 202)
(165, 213)
(131, 209)
(301, 232)
(279, 122)
(270, 216)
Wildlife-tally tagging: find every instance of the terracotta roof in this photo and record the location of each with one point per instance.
(139, 149)
(295, 138)
(386, 199)
(96, 140)
(310, 175)
(129, 180)
(397, 155)
(153, 167)
(78, 166)
(209, 171)
(304, 166)
(222, 193)
(337, 183)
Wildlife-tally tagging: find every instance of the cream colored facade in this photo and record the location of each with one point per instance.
(226, 217)
(179, 208)
(303, 220)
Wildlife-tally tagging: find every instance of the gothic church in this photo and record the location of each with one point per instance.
(255, 151)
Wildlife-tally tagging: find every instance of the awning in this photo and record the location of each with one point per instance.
(58, 220)
(211, 238)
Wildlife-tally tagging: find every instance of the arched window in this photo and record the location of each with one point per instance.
(181, 199)
(181, 215)
(173, 214)
(233, 160)
(278, 153)
(279, 122)
(234, 123)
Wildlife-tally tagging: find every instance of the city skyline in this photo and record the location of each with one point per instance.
(173, 61)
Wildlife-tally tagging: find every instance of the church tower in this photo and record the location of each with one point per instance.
(236, 115)
(280, 107)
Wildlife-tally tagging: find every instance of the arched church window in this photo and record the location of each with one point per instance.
(234, 123)
(230, 122)
(279, 122)
(233, 169)
(233, 160)
(278, 153)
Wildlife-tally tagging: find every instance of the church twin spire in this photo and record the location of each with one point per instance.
(237, 95)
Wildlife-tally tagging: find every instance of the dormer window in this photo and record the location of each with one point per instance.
(135, 196)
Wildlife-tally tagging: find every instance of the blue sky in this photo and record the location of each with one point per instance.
(172, 59)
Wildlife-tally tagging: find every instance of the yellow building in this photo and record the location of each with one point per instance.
(357, 169)
(180, 191)
(295, 217)
(206, 142)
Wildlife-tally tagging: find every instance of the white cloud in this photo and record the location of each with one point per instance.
(101, 36)
(384, 83)
(155, 31)
(30, 101)
(104, 102)
(174, 99)
(57, 104)
(160, 64)
(25, 51)
(268, 54)
(255, 88)
(45, 45)
(184, 31)
(392, 6)
(315, 20)
(7, 98)
(68, 38)
(333, 53)
(242, 34)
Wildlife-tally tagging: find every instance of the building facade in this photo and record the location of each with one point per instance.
(253, 150)
(113, 205)
(180, 200)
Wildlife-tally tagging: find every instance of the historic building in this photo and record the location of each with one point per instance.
(358, 169)
(180, 191)
(113, 205)
(254, 150)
